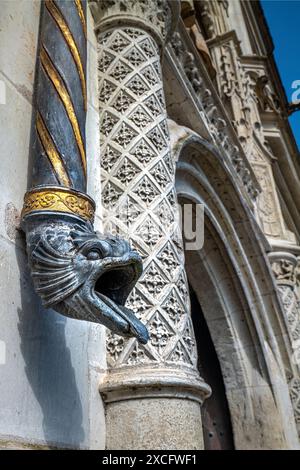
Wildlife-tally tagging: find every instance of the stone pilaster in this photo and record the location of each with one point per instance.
(285, 267)
(145, 384)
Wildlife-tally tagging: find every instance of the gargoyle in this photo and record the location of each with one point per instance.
(84, 275)
(76, 271)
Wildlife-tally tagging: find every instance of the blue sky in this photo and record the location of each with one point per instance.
(283, 17)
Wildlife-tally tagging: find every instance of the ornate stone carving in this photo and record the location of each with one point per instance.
(285, 271)
(143, 173)
(214, 15)
(223, 137)
(285, 267)
(269, 213)
(267, 100)
(294, 386)
(245, 91)
(291, 305)
(152, 15)
(195, 32)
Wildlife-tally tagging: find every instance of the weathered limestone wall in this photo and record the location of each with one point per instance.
(49, 365)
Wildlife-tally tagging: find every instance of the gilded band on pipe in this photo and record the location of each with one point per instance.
(52, 199)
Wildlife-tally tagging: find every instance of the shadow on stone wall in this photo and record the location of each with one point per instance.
(48, 366)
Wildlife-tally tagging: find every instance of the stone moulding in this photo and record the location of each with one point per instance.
(158, 17)
(285, 267)
(128, 384)
(200, 179)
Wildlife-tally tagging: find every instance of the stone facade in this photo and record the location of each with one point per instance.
(184, 106)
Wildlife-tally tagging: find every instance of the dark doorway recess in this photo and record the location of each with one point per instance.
(217, 430)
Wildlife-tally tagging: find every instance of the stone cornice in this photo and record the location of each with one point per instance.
(158, 17)
(219, 40)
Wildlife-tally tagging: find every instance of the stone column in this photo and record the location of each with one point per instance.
(153, 392)
(285, 267)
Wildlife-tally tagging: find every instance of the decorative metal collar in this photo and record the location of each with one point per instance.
(58, 199)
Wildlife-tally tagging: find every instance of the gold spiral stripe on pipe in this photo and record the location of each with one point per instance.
(81, 16)
(51, 151)
(62, 25)
(66, 100)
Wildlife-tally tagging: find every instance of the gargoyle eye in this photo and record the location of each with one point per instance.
(93, 255)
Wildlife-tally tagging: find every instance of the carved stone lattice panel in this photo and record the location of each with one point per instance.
(285, 267)
(294, 387)
(139, 198)
(268, 207)
(292, 310)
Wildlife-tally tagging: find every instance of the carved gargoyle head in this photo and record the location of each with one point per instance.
(85, 275)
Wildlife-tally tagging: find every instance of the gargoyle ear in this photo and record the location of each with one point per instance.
(53, 272)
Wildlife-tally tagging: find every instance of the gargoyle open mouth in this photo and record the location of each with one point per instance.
(87, 276)
(112, 288)
(117, 282)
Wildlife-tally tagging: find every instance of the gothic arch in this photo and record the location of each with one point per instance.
(232, 280)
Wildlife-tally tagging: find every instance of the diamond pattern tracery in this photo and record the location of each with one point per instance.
(157, 139)
(169, 260)
(153, 105)
(173, 306)
(160, 175)
(110, 195)
(120, 71)
(153, 280)
(135, 57)
(108, 123)
(137, 85)
(105, 61)
(160, 333)
(122, 101)
(140, 117)
(129, 210)
(143, 152)
(149, 232)
(110, 157)
(148, 48)
(127, 172)
(139, 181)
(149, 74)
(124, 135)
(119, 43)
